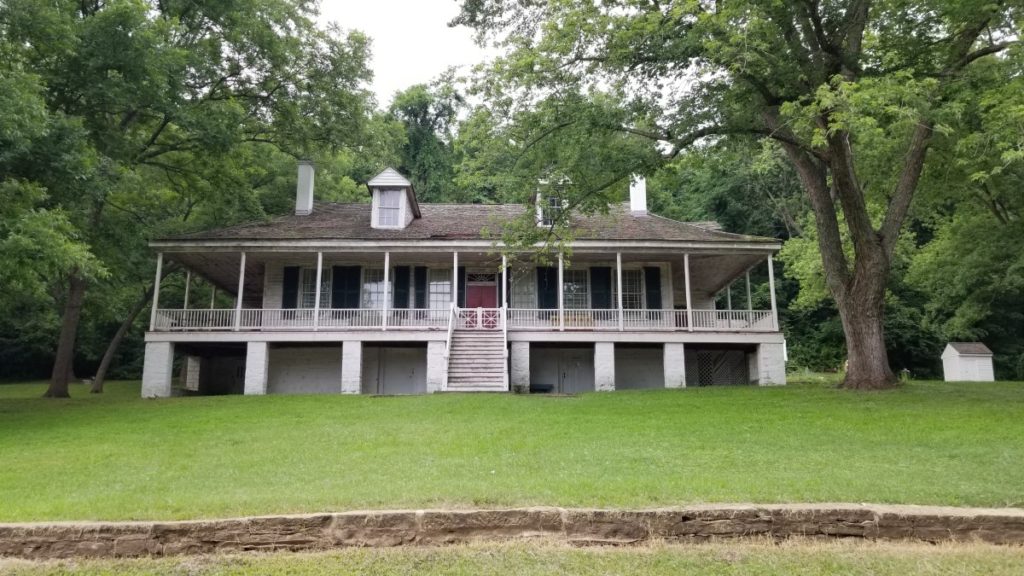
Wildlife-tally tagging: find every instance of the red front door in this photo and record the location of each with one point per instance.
(481, 296)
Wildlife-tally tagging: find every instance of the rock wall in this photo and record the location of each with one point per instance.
(577, 526)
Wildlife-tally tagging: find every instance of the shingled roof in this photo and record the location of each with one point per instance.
(334, 221)
(971, 348)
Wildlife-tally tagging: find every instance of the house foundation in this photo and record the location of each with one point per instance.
(158, 370)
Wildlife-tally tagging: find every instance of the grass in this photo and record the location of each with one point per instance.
(799, 558)
(116, 456)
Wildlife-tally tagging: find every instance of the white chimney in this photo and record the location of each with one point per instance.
(638, 195)
(304, 189)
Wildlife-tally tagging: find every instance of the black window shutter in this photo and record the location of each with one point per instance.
(419, 277)
(345, 286)
(401, 298)
(547, 287)
(652, 287)
(601, 287)
(290, 288)
(461, 296)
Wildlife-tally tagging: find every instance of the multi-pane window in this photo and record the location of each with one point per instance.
(576, 293)
(524, 289)
(550, 210)
(373, 288)
(440, 287)
(307, 292)
(390, 208)
(632, 290)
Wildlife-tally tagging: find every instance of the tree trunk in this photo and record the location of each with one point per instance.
(862, 312)
(115, 342)
(62, 363)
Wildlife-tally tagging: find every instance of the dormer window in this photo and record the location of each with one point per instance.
(390, 209)
(549, 210)
(394, 200)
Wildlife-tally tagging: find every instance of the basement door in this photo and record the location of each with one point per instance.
(576, 371)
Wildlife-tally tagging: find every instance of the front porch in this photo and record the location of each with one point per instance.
(331, 292)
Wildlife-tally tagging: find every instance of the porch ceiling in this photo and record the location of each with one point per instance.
(711, 273)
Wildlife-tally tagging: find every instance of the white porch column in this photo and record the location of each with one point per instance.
(771, 288)
(689, 300)
(257, 364)
(618, 283)
(728, 297)
(213, 296)
(455, 279)
(750, 302)
(351, 367)
(521, 367)
(156, 290)
(604, 366)
(771, 364)
(504, 281)
(387, 278)
(436, 363)
(561, 292)
(319, 276)
(675, 365)
(157, 369)
(188, 285)
(241, 288)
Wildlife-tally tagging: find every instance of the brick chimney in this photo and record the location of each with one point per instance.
(638, 195)
(304, 189)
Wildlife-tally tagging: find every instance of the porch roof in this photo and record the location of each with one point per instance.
(455, 222)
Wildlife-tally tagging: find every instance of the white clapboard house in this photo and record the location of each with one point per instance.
(395, 296)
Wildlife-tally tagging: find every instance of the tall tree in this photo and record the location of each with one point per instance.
(853, 90)
(429, 115)
(178, 91)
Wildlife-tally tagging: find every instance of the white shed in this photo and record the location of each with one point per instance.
(967, 362)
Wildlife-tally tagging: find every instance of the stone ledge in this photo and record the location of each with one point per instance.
(572, 525)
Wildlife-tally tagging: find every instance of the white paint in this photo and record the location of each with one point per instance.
(156, 289)
(771, 367)
(689, 302)
(520, 366)
(674, 365)
(604, 366)
(240, 293)
(638, 195)
(771, 288)
(304, 189)
(157, 368)
(957, 367)
(639, 367)
(256, 368)
(437, 363)
(305, 370)
(351, 367)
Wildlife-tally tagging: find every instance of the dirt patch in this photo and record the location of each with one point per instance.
(573, 526)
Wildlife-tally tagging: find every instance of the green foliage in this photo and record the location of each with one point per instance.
(129, 119)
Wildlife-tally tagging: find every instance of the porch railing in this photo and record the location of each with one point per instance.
(198, 319)
(269, 319)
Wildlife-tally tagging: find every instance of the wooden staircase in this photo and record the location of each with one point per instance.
(477, 361)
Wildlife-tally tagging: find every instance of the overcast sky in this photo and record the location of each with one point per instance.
(412, 42)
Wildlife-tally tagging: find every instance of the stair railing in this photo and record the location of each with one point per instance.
(504, 346)
(448, 345)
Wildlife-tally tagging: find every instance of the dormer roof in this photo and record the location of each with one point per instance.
(391, 178)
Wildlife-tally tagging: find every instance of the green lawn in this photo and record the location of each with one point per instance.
(116, 456)
(798, 558)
